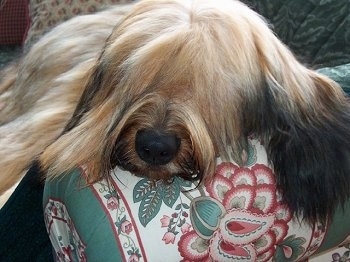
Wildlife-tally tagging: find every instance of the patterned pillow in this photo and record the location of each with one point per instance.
(238, 216)
(46, 14)
(14, 21)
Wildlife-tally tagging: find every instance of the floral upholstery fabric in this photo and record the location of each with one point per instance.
(236, 217)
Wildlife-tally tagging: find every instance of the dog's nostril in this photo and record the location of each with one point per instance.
(156, 147)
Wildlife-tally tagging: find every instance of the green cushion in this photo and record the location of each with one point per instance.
(318, 31)
(340, 74)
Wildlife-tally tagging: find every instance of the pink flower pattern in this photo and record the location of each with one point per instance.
(112, 203)
(165, 220)
(134, 258)
(126, 227)
(169, 237)
(177, 220)
(186, 227)
(240, 213)
(254, 220)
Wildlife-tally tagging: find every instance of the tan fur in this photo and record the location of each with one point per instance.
(196, 68)
(164, 47)
(38, 96)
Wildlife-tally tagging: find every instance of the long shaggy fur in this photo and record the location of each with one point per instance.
(212, 73)
(39, 94)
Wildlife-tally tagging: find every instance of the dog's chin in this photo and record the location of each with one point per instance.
(182, 165)
(163, 172)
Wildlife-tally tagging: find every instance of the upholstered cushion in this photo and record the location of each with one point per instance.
(237, 217)
(14, 21)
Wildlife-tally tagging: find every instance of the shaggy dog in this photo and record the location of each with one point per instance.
(164, 88)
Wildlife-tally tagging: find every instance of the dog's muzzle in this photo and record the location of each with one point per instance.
(156, 147)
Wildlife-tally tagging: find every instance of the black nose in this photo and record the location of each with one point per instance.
(156, 147)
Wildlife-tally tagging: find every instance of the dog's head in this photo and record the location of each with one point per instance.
(180, 83)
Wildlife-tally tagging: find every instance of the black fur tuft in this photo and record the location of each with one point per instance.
(312, 164)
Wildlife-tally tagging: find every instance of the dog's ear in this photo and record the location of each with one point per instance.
(305, 124)
(90, 122)
(310, 153)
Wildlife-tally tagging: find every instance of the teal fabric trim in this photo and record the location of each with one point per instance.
(90, 220)
(338, 230)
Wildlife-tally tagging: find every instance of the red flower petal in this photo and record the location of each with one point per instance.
(243, 176)
(241, 197)
(223, 251)
(288, 251)
(226, 169)
(193, 248)
(265, 242)
(233, 250)
(267, 255)
(219, 187)
(265, 198)
(283, 212)
(240, 227)
(280, 229)
(264, 174)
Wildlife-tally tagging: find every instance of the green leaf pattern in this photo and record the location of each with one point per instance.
(150, 205)
(152, 194)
